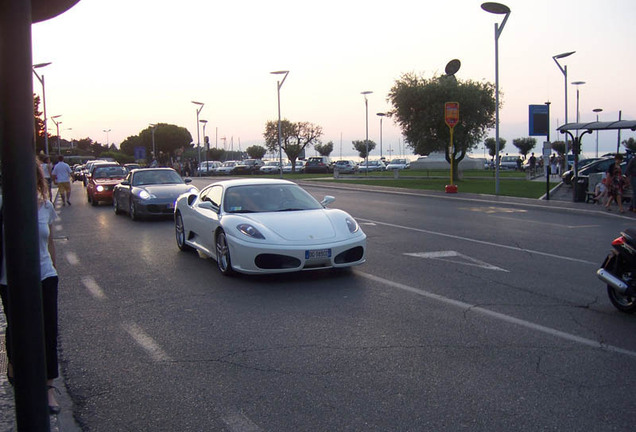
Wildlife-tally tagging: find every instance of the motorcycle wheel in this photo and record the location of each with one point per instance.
(624, 303)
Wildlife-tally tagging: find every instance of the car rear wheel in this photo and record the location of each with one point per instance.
(179, 231)
(223, 261)
(132, 211)
(115, 205)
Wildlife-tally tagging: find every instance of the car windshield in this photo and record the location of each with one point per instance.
(152, 177)
(109, 172)
(268, 198)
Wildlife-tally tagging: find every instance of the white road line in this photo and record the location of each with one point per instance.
(500, 316)
(238, 422)
(72, 259)
(146, 342)
(549, 255)
(93, 288)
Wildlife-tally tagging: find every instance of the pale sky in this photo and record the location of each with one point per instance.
(123, 64)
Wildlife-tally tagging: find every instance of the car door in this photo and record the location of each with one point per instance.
(121, 193)
(205, 217)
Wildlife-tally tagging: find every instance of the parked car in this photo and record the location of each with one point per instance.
(267, 226)
(345, 167)
(247, 166)
(102, 182)
(225, 168)
(318, 164)
(299, 167)
(398, 164)
(150, 192)
(271, 167)
(567, 176)
(509, 162)
(372, 166)
(208, 167)
(131, 166)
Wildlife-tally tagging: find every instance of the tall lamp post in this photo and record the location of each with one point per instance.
(578, 111)
(499, 9)
(366, 139)
(41, 79)
(381, 115)
(200, 104)
(107, 137)
(57, 125)
(207, 168)
(597, 110)
(564, 71)
(279, 84)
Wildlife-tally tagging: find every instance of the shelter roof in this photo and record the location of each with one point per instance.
(592, 126)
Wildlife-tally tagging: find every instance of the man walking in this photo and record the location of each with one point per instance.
(630, 172)
(62, 176)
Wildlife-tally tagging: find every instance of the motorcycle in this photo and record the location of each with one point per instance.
(619, 272)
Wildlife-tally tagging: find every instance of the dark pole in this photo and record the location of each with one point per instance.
(547, 166)
(20, 215)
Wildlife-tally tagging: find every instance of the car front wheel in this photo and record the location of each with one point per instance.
(223, 261)
(132, 211)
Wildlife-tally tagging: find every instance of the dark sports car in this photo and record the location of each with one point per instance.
(150, 192)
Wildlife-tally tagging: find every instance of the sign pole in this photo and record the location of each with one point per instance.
(451, 117)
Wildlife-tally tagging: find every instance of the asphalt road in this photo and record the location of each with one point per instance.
(468, 315)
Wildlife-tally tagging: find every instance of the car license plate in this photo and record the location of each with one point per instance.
(318, 254)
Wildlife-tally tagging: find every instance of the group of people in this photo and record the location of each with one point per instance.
(612, 186)
(46, 215)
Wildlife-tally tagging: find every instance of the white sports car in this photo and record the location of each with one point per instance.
(258, 226)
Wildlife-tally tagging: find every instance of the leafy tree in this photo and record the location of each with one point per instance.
(630, 144)
(524, 145)
(559, 147)
(84, 143)
(418, 107)
(216, 154)
(256, 151)
(324, 149)
(295, 137)
(361, 147)
(491, 145)
(169, 140)
(40, 145)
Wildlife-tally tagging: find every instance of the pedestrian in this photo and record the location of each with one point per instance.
(533, 163)
(47, 167)
(553, 165)
(62, 176)
(630, 172)
(615, 184)
(49, 281)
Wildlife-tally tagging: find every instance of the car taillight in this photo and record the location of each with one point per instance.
(618, 241)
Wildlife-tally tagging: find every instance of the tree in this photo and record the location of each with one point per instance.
(295, 137)
(630, 144)
(169, 140)
(256, 151)
(559, 147)
(524, 145)
(361, 147)
(491, 145)
(418, 108)
(40, 144)
(324, 149)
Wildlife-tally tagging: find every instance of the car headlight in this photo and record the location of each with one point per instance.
(352, 225)
(250, 231)
(146, 195)
(100, 188)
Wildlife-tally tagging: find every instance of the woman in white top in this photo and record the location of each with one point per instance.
(47, 166)
(49, 279)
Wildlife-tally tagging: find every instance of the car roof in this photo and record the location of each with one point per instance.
(248, 182)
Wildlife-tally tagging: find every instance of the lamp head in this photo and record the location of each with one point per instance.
(381, 114)
(203, 121)
(578, 83)
(597, 110)
(40, 65)
(280, 72)
(563, 55)
(495, 8)
(366, 92)
(198, 103)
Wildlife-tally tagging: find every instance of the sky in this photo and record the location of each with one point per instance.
(121, 65)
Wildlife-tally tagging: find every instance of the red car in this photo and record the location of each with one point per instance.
(102, 182)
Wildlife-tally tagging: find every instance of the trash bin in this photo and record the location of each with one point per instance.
(580, 190)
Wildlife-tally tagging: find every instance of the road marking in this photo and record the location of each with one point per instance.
(499, 316)
(456, 237)
(493, 210)
(460, 259)
(72, 259)
(146, 342)
(93, 288)
(530, 221)
(238, 422)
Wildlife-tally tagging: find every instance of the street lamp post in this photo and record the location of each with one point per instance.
(381, 115)
(578, 111)
(597, 110)
(499, 9)
(366, 139)
(207, 168)
(41, 79)
(57, 125)
(564, 71)
(198, 136)
(279, 84)
(107, 137)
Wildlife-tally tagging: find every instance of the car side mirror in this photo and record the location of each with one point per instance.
(207, 205)
(125, 183)
(187, 180)
(328, 199)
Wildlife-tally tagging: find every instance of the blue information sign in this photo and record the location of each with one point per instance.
(539, 120)
(140, 153)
